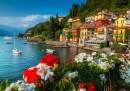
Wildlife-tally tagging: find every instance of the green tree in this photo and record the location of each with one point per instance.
(20, 35)
(127, 33)
(69, 35)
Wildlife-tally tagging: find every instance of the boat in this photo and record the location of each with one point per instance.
(16, 51)
(8, 42)
(50, 50)
(24, 43)
(7, 37)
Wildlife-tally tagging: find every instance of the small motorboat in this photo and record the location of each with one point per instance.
(50, 50)
(7, 37)
(15, 51)
(8, 42)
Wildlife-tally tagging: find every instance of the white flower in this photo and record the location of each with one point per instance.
(123, 66)
(21, 86)
(10, 87)
(127, 80)
(89, 59)
(25, 86)
(71, 74)
(45, 73)
(81, 89)
(121, 59)
(112, 53)
(103, 66)
(123, 76)
(103, 55)
(39, 65)
(121, 70)
(93, 63)
(102, 77)
(94, 53)
(128, 62)
(80, 57)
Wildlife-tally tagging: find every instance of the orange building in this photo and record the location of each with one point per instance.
(60, 18)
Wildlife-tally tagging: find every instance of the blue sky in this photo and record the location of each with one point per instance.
(27, 13)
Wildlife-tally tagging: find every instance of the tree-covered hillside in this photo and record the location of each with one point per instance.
(51, 29)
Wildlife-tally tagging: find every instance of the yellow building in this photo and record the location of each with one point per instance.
(60, 37)
(86, 32)
(119, 34)
(120, 22)
(101, 15)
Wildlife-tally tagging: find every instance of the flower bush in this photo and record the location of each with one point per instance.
(85, 73)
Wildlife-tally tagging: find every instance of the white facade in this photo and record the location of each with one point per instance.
(90, 18)
(128, 11)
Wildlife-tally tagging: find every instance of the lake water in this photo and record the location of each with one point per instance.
(12, 66)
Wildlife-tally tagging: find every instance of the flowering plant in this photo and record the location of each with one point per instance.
(85, 73)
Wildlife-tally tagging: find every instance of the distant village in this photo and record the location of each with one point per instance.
(98, 28)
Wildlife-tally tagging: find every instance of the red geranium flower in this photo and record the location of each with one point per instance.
(31, 75)
(92, 87)
(81, 85)
(69, 60)
(50, 60)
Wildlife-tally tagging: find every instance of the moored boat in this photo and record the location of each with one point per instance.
(50, 50)
(8, 42)
(7, 37)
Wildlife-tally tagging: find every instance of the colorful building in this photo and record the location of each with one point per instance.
(87, 32)
(60, 18)
(102, 22)
(101, 15)
(89, 19)
(120, 22)
(76, 34)
(119, 34)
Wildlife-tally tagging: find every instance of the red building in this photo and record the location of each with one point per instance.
(101, 22)
(76, 34)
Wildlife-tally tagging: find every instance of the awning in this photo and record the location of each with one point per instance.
(100, 29)
(120, 36)
(116, 36)
(110, 29)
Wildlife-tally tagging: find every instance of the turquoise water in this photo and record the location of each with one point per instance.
(12, 66)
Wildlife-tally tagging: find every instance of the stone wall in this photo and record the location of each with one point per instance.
(73, 44)
(61, 42)
(56, 43)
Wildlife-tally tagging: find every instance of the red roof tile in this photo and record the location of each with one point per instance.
(124, 27)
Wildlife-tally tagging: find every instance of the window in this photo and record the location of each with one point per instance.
(99, 24)
(95, 30)
(121, 31)
(95, 25)
(85, 33)
(117, 22)
(122, 25)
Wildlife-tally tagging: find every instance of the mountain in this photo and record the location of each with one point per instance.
(8, 30)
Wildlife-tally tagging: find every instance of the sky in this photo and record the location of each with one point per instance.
(28, 13)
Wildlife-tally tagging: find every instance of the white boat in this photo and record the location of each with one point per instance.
(16, 51)
(50, 50)
(8, 42)
(7, 37)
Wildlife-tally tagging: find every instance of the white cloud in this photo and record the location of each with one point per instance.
(28, 21)
(35, 17)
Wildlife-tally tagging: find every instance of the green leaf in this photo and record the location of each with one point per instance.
(55, 66)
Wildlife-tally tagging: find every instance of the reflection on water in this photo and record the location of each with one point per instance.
(13, 65)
